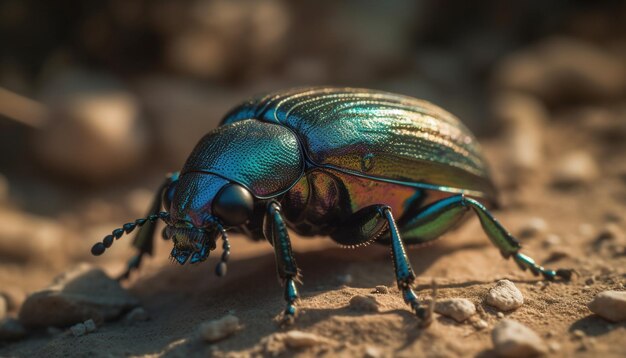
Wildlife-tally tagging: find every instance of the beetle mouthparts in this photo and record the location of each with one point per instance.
(191, 244)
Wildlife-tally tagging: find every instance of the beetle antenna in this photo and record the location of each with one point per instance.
(220, 269)
(99, 248)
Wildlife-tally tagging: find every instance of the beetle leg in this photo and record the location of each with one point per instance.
(442, 215)
(276, 233)
(404, 272)
(144, 239)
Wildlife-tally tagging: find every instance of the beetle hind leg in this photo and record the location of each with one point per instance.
(440, 216)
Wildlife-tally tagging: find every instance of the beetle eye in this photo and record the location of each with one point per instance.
(233, 205)
(168, 195)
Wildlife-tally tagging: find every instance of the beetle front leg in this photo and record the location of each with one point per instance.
(276, 233)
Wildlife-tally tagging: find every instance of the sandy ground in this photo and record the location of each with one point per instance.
(463, 263)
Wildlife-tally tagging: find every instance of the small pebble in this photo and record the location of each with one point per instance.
(534, 227)
(11, 330)
(299, 339)
(513, 339)
(586, 230)
(505, 296)
(78, 329)
(500, 315)
(480, 324)
(459, 309)
(3, 307)
(554, 347)
(364, 303)
(610, 305)
(138, 314)
(552, 240)
(215, 330)
(578, 333)
(382, 289)
(590, 281)
(575, 168)
(90, 325)
(372, 352)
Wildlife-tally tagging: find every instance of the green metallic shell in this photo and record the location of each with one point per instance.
(379, 135)
(263, 157)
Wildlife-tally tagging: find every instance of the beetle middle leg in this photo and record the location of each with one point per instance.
(442, 215)
(367, 225)
(275, 231)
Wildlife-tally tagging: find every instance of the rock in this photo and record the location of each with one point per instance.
(78, 330)
(533, 227)
(78, 295)
(562, 69)
(90, 326)
(480, 324)
(299, 339)
(523, 118)
(138, 314)
(215, 330)
(11, 330)
(4, 307)
(29, 238)
(94, 131)
(610, 305)
(575, 168)
(458, 308)
(372, 352)
(513, 339)
(364, 303)
(382, 289)
(505, 296)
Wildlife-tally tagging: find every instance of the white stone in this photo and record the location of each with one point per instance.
(299, 339)
(90, 325)
(78, 330)
(575, 168)
(215, 330)
(137, 314)
(505, 296)
(513, 339)
(459, 309)
(610, 305)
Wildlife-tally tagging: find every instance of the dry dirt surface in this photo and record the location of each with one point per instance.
(564, 219)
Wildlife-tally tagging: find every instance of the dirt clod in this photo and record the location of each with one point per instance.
(216, 330)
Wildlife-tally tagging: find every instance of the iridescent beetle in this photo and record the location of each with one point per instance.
(327, 161)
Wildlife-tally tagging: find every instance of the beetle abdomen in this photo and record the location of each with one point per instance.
(380, 136)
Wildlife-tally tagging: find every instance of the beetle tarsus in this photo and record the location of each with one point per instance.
(526, 262)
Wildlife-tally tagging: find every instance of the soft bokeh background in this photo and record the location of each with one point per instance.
(98, 99)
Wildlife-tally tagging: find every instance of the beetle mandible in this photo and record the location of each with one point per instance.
(327, 161)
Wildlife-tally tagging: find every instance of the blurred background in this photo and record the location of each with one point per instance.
(98, 99)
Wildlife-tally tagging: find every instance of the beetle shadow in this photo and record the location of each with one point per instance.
(595, 326)
(179, 298)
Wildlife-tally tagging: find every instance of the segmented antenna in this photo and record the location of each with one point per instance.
(99, 248)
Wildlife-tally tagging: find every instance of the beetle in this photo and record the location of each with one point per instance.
(327, 161)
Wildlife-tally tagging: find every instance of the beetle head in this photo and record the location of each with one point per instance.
(201, 206)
